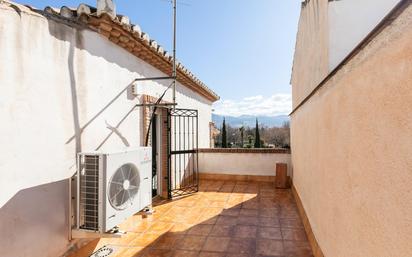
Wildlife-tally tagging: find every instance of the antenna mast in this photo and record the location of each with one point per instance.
(174, 75)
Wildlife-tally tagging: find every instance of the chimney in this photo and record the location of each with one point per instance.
(106, 7)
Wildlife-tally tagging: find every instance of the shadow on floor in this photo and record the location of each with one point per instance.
(224, 219)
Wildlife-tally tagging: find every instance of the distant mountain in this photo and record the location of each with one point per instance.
(248, 120)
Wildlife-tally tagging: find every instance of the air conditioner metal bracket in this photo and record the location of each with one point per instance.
(82, 234)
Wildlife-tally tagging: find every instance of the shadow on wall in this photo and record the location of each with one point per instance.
(120, 56)
(34, 222)
(75, 36)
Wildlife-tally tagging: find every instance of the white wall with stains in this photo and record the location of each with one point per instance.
(350, 21)
(62, 92)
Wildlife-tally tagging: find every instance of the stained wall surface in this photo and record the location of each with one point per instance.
(350, 21)
(310, 61)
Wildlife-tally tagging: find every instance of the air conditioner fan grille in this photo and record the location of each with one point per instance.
(123, 186)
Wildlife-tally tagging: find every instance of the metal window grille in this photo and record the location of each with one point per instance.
(183, 177)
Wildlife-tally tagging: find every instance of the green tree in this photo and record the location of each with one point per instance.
(257, 136)
(242, 130)
(224, 134)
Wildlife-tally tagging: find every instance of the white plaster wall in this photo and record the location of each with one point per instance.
(61, 93)
(350, 21)
(258, 164)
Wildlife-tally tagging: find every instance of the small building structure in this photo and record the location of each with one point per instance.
(68, 85)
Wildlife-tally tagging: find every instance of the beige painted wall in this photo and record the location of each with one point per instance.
(61, 93)
(258, 164)
(310, 62)
(352, 145)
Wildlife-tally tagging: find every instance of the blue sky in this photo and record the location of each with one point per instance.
(242, 49)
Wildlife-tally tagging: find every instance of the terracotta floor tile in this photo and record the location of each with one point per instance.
(248, 212)
(295, 234)
(291, 223)
(269, 247)
(270, 233)
(160, 227)
(252, 190)
(184, 253)
(217, 204)
(186, 203)
(158, 253)
(239, 188)
(233, 205)
(241, 255)
(269, 222)
(269, 212)
(170, 218)
(230, 212)
(221, 230)
(167, 241)
(200, 230)
(221, 197)
(212, 212)
(242, 245)
(144, 240)
(268, 203)
(235, 198)
(245, 231)
(203, 202)
(207, 221)
(180, 228)
(250, 197)
(285, 201)
(194, 220)
(290, 208)
(227, 188)
(241, 218)
(132, 252)
(226, 220)
(250, 205)
(247, 220)
(297, 249)
(141, 226)
(265, 192)
(211, 254)
(191, 243)
(216, 244)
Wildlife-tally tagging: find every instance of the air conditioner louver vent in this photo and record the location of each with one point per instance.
(89, 192)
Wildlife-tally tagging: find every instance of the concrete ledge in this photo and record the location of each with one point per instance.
(244, 150)
(317, 251)
(245, 162)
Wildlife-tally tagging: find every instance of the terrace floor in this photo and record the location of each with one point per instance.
(224, 219)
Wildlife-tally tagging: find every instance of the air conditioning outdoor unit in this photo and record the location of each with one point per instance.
(112, 187)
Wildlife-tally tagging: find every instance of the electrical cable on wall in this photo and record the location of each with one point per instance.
(152, 116)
